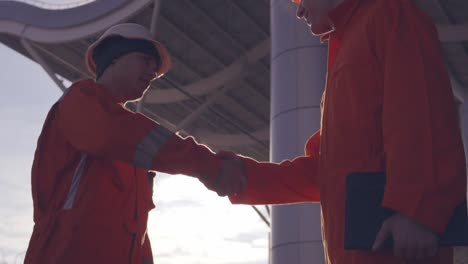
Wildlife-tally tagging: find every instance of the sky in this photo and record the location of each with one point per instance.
(189, 225)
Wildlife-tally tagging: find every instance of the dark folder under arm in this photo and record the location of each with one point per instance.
(364, 214)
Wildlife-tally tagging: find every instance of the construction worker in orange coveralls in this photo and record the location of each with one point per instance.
(90, 183)
(388, 106)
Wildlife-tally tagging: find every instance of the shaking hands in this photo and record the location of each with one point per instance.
(231, 179)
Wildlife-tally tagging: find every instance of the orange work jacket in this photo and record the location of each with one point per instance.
(90, 183)
(388, 106)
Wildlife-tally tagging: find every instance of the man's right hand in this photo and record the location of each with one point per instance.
(231, 179)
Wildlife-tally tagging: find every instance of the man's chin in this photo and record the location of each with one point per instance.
(314, 32)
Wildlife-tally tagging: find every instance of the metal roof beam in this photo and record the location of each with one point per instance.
(265, 34)
(223, 140)
(152, 26)
(255, 54)
(202, 108)
(38, 58)
(155, 16)
(229, 119)
(96, 17)
(217, 26)
(235, 71)
(62, 61)
(232, 40)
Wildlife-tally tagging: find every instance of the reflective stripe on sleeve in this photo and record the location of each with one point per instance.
(76, 181)
(149, 147)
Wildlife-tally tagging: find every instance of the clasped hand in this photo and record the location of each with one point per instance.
(231, 179)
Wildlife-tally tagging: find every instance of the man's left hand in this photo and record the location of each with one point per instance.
(410, 239)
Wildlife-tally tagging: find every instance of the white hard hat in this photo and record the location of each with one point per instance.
(130, 31)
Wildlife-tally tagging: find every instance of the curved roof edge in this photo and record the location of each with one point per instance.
(32, 15)
(53, 26)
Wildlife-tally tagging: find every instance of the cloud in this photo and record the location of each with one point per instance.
(176, 252)
(16, 216)
(250, 237)
(163, 206)
(194, 225)
(15, 221)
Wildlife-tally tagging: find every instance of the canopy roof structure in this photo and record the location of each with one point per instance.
(219, 87)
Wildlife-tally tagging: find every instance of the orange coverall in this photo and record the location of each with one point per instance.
(388, 106)
(90, 178)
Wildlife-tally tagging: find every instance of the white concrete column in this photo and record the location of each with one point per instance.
(298, 62)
